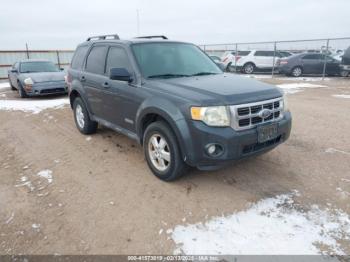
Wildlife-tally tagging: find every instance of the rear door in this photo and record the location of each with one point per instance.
(332, 66)
(264, 59)
(93, 78)
(312, 64)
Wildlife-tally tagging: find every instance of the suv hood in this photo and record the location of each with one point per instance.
(221, 89)
(44, 76)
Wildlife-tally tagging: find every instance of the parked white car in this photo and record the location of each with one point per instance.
(250, 61)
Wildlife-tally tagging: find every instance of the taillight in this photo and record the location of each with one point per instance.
(238, 57)
(68, 78)
(283, 62)
(225, 59)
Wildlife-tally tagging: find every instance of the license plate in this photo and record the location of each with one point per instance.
(267, 132)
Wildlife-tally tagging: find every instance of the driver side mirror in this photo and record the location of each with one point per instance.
(120, 74)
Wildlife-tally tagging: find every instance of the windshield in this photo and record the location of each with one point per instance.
(35, 67)
(167, 60)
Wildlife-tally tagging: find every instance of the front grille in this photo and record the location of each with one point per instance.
(247, 116)
(52, 91)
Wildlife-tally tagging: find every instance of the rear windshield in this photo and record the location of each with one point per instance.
(36, 67)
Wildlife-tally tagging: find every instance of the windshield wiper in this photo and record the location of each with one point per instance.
(204, 74)
(167, 76)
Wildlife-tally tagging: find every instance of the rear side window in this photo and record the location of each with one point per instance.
(243, 53)
(264, 53)
(117, 58)
(78, 58)
(96, 60)
(312, 57)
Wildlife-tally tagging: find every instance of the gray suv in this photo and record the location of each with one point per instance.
(175, 101)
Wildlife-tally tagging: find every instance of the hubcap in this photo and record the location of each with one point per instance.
(79, 116)
(249, 69)
(159, 152)
(297, 71)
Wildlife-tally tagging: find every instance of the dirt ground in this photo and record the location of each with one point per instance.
(104, 200)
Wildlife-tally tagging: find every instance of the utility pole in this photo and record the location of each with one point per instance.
(138, 22)
(27, 51)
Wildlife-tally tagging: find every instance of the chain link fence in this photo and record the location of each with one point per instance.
(328, 47)
(61, 58)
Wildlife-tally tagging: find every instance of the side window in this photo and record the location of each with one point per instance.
(96, 60)
(259, 53)
(311, 57)
(78, 58)
(117, 58)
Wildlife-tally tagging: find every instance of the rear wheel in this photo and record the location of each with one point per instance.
(228, 67)
(82, 119)
(248, 68)
(21, 91)
(297, 71)
(162, 152)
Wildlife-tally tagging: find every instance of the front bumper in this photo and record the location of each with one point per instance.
(48, 88)
(236, 144)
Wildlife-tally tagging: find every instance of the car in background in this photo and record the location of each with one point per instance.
(217, 61)
(308, 63)
(229, 57)
(33, 77)
(285, 53)
(215, 58)
(345, 63)
(257, 60)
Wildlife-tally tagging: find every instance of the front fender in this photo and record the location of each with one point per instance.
(174, 117)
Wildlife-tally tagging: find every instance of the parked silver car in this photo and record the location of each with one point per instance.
(37, 78)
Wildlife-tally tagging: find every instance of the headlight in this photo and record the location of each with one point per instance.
(28, 81)
(285, 103)
(212, 115)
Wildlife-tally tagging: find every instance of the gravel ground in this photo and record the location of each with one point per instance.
(65, 193)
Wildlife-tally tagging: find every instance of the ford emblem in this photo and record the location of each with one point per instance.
(265, 113)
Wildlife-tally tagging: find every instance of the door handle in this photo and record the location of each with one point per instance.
(106, 85)
(82, 78)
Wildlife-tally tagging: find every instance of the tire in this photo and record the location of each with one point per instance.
(82, 119)
(228, 67)
(21, 91)
(248, 68)
(162, 152)
(11, 85)
(297, 71)
(344, 73)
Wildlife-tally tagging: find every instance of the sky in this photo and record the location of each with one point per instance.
(48, 24)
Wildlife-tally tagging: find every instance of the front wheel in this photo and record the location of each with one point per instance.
(82, 119)
(21, 91)
(162, 152)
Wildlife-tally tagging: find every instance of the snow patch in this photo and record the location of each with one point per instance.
(341, 96)
(271, 226)
(297, 87)
(46, 174)
(4, 86)
(334, 150)
(32, 106)
(306, 79)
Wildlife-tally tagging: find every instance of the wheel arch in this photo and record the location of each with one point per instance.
(170, 115)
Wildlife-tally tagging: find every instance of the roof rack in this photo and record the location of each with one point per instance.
(153, 36)
(103, 37)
